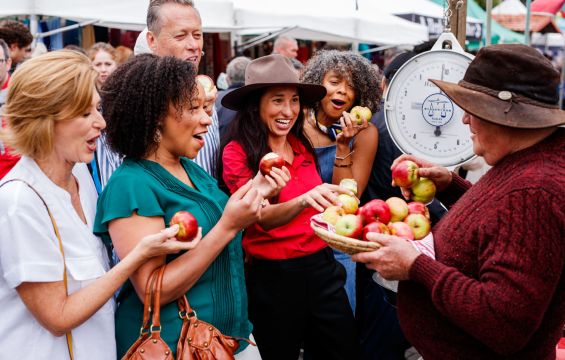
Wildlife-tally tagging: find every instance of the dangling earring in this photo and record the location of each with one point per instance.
(157, 136)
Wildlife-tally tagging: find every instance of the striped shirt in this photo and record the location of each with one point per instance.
(108, 160)
(208, 156)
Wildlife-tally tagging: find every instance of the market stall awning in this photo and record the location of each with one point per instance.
(499, 34)
(326, 20)
(547, 6)
(542, 23)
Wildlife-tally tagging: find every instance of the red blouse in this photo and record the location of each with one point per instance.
(294, 239)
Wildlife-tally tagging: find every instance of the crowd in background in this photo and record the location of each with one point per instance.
(100, 147)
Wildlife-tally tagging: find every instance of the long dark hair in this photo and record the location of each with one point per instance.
(250, 132)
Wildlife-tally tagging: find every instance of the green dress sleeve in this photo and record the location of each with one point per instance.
(127, 191)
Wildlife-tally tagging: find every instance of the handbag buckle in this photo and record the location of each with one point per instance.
(184, 314)
(143, 331)
(153, 329)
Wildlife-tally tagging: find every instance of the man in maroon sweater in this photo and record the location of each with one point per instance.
(496, 289)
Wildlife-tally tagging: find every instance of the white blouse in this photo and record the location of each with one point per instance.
(29, 252)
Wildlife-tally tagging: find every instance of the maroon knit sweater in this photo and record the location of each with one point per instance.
(497, 289)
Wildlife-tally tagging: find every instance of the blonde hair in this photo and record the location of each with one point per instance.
(56, 86)
(101, 46)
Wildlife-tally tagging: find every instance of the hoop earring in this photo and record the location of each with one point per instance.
(157, 137)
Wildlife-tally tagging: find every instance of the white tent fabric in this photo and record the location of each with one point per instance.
(398, 7)
(510, 7)
(217, 15)
(325, 20)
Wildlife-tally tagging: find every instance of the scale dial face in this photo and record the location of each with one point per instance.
(421, 119)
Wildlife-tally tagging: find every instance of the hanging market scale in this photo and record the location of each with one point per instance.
(421, 119)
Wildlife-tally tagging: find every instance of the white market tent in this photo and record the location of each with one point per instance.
(327, 20)
(217, 15)
(330, 20)
(510, 7)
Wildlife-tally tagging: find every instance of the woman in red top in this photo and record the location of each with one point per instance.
(295, 286)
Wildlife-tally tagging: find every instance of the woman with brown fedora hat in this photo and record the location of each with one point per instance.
(294, 283)
(496, 289)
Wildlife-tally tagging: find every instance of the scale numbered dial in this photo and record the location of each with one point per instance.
(421, 119)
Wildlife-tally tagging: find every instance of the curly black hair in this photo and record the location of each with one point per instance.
(14, 32)
(136, 99)
(353, 67)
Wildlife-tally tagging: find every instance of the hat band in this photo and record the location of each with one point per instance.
(499, 95)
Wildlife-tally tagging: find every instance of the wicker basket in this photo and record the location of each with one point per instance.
(343, 243)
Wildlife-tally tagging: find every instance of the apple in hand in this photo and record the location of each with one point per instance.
(349, 203)
(401, 229)
(269, 161)
(332, 214)
(206, 82)
(398, 208)
(188, 226)
(349, 184)
(375, 210)
(416, 207)
(360, 114)
(424, 191)
(405, 174)
(419, 224)
(375, 227)
(349, 225)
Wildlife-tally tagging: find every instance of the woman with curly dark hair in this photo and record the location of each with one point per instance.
(344, 149)
(295, 286)
(157, 122)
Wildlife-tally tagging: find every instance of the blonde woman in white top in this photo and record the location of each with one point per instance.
(53, 121)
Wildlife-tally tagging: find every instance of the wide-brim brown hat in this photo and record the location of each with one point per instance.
(511, 85)
(267, 71)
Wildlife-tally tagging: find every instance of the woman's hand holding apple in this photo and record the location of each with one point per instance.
(271, 185)
(392, 260)
(243, 208)
(323, 196)
(349, 128)
(440, 175)
(164, 242)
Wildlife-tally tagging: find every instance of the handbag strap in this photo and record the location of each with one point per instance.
(69, 334)
(155, 328)
(147, 303)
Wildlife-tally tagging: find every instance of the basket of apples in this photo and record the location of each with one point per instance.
(345, 227)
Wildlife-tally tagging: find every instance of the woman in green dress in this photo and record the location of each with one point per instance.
(156, 121)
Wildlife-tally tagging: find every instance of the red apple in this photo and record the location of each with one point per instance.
(419, 224)
(375, 210)
(349, 203)
(332, 214)
(269, 161)
(360, 114)
(349, 225)
(188, 226)
(416, 207)
(206, 82)
(405, 174)
(398, 208)
(375, 227)
(401, 229)
(424, 191)
(349, 184)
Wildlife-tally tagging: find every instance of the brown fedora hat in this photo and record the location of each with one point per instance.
(511, 85)
(267, 71)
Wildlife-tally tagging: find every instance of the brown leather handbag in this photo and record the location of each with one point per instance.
(150, 345)
(198, 339)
